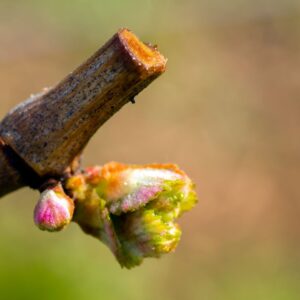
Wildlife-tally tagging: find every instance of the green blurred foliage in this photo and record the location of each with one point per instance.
(227, 111)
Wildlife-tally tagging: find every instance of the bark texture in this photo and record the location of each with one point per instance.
(46, 132)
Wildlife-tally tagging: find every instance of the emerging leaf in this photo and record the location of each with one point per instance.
(133, 209)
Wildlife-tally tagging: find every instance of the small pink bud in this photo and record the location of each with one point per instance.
(54, 209)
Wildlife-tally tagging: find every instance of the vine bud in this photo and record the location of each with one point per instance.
(54, 209)
(133, 209)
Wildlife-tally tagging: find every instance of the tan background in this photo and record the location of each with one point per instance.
(227, 111)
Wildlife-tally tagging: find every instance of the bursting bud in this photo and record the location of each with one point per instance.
(133, 209)
(54, 209)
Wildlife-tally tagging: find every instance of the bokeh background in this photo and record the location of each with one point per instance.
(227, 111)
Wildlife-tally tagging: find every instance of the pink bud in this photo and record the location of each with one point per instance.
(54, 209)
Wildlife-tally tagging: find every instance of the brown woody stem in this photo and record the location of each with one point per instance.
(49, 130)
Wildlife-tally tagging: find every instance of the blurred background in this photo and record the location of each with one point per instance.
(227, 111)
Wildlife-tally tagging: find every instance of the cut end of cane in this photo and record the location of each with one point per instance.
(145, 56)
